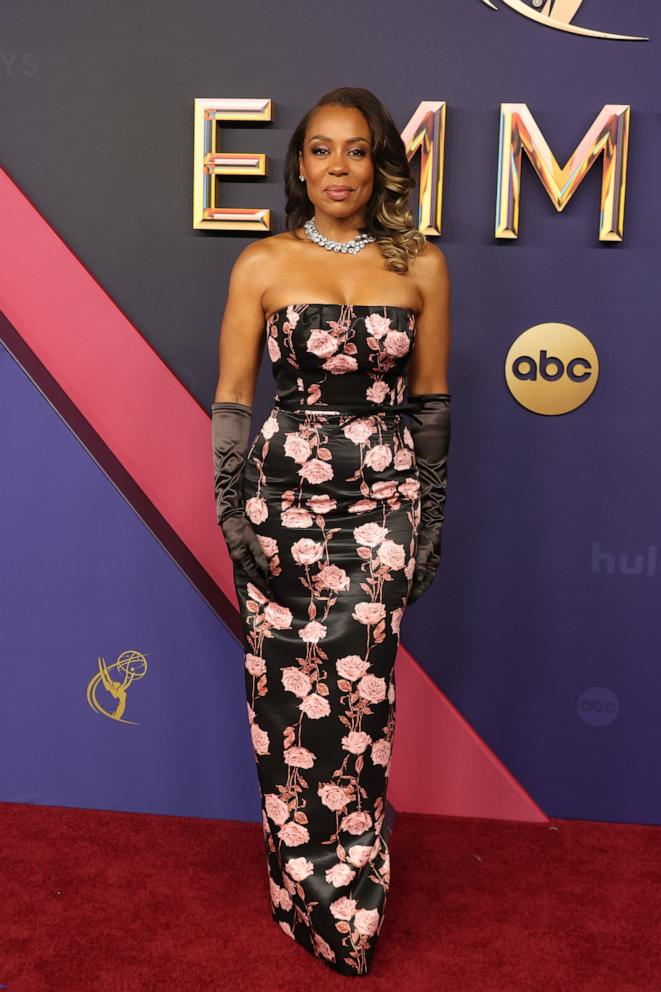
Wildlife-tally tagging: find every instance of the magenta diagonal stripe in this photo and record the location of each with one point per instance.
(161, 436)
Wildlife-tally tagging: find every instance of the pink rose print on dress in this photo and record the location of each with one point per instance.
(378, 392)
(276, 809)
(373, 688)
(369, 613)
(322, 344)
(315, 470)
(315, 706)
(299, 757)
(351, 667)
(370, 534)
(256, 510)
(396, 343)
(356, 741)
(340, 874)
(322, 948)
(334, 796)
(381, 752)
(366, 921)
(255, 665)
(297, 448)
(391, 554)
(340, 364)
(332, 578)
(312, 632)
(260, 739)
(363, 506)
(379, 457)
(299, 868)
(377, 325)
(293, 834)
(295, 517)
(273, 349)
(321, 503)
(307, 551)
(335, 503)
(359, 855)
(294, 680)
(356, 823)
(360, 431)
(343, 908)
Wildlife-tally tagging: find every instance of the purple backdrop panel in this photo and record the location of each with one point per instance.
(541, 625)
(82, 577)
(545, 626)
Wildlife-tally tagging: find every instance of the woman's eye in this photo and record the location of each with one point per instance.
(361, 151)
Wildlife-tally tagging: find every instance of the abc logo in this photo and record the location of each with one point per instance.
(551, 368)
(598, 706)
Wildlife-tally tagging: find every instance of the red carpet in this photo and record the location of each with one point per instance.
(122, 902)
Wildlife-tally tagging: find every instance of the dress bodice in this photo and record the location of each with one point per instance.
(333, 355)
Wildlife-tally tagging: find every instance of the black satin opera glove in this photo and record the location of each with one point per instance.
(431, 441)
(230, 435)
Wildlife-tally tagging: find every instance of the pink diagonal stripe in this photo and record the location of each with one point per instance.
(161, 435)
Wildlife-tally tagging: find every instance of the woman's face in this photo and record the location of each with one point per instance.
(337, 153)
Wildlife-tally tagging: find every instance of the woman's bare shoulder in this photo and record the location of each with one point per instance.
(261, 263)
(429, 271)
(430, 263)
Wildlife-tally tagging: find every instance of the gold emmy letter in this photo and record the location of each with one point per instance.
(208, 163)
(607, 135)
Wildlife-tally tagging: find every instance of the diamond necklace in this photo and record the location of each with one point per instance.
(350, 247)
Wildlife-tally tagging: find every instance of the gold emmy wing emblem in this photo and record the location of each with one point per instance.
(117, 679)
(559, 14)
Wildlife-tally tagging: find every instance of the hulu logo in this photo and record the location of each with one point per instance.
(622, 562)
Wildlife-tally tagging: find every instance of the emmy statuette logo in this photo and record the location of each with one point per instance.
(116, 680)
(559, 14)
(551, 368)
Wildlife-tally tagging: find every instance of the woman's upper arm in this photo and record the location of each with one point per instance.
(428, 369)
(241, 340)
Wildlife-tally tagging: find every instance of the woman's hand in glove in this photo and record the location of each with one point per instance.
(246, 551)
(431, 441)
(426, 563)
(230, 433)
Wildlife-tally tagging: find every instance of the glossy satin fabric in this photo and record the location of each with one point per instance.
(334, 500)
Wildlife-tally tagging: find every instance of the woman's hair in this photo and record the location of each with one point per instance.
(387, 214)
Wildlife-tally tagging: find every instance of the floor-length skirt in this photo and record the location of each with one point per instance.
(334, 500)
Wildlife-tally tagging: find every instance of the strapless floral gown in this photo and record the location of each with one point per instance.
(333, 494)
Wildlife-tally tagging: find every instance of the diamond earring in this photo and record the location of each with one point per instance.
(301, 178)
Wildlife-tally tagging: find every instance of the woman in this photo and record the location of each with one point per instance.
(333, 516)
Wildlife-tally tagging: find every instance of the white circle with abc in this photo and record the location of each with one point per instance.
(551, 368)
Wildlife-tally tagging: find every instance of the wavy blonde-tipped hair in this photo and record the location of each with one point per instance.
(387, 214)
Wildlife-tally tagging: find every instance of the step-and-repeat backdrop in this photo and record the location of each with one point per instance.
(533, 130)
